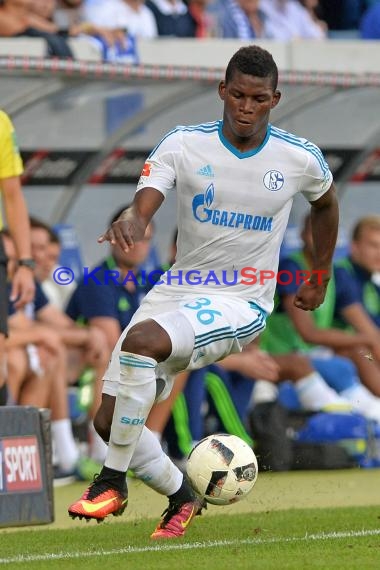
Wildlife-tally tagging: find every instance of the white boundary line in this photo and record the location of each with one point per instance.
(189, 546)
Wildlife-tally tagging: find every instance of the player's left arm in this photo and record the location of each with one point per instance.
(324, 223)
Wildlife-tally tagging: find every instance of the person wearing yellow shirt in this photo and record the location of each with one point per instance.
(15, 209)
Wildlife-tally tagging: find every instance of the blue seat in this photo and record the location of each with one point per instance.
(71, 255)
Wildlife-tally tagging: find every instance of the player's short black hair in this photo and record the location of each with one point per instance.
(253, 60)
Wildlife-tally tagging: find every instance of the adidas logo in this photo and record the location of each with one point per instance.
(206, 171)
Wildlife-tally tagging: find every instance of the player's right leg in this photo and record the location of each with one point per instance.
(108, 493)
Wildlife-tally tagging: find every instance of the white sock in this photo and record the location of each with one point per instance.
(363, 401)
(135, 398)
(98, 449)
(66, 449)
(156, 434)
(314, 394)
(153, 466)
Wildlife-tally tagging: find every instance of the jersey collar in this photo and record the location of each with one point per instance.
(237, 152)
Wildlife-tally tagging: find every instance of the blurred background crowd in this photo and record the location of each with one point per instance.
(114, 25)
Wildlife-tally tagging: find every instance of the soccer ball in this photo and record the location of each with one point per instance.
(222, 469)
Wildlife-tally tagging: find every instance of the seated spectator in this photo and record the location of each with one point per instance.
(341, 14)
(17, 18)
(355, 275)
(131, 15)
(112, 292)
(314, 9)
(206, 22)
(287, 20)
(68, 18)
(86, 346)
(242, 19)
(306, 331)
(369, 24)
(363, 264)
(46, 253)
(36, 369)
(172, 18)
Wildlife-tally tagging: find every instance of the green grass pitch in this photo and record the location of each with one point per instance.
(300, 520)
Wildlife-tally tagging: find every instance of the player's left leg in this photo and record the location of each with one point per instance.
(155, 468)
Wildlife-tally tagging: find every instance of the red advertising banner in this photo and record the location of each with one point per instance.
(20, 464)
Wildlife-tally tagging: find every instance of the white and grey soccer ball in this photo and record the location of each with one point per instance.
(222, 469)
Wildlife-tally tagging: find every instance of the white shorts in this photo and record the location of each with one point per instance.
(219, 326)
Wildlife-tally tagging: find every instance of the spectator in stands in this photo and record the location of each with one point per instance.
(363, 263)
(15, 208)
(86, 346)
(354, 275)
(131, 15)
(369, 24)
(37, 367)
(242, 19)
(109, 302)
(67, 17)
(341, 14)
(172, 18)
(318, 328)
(18, 18)
(288, 19)
(314, 10)
(206, 21)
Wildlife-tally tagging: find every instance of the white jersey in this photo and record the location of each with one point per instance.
(233, 207)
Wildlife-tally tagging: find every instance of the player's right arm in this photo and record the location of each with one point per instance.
(131, 225)
(157, 178)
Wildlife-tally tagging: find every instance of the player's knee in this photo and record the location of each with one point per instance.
(148, 339)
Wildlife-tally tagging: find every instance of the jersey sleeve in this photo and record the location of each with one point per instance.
(159, 170)
(317, 177)
(10, 159)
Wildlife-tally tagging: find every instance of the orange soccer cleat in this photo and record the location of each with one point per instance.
(99, 500)
(176, 518)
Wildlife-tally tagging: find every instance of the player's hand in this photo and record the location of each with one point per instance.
(310, 295)
(264, 367)
(256, 363)
(124, 232)
(23, 287)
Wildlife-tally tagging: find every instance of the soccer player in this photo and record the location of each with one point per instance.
(18, 223)
(236, 180)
